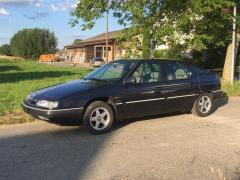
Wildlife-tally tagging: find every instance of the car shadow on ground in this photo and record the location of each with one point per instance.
(53, 154)
(117, 125)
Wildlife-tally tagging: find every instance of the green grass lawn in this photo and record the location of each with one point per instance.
(18, 78)
(232, 90)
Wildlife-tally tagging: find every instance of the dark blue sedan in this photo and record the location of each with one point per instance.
(125, 89)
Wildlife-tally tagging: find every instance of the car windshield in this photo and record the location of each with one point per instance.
(111, 72)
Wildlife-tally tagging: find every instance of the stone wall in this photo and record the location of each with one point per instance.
(76, 55)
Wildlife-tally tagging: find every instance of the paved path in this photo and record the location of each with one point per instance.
(169, 147)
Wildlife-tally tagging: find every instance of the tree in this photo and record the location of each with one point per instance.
(193, 24)
(125, 11)
(5, 50)
(197, 24)
(31, 43)
(77, 41)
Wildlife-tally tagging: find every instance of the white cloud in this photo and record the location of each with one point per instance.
(54, 8)
(20, 2)
(4, 12)
(67, 6)
(37, 4)
(15, 1)
(36, 15)
(64, 6)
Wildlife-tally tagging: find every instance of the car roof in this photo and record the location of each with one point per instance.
(144, 60)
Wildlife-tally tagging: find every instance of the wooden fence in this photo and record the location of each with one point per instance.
(219, 71)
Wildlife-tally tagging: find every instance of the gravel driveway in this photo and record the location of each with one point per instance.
(166, 147)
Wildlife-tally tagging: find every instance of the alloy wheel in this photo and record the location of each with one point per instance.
(204, 104)
(99, 118)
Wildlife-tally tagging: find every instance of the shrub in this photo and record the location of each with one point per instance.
(5, 50)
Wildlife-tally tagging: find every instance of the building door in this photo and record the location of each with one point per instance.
(110, 54)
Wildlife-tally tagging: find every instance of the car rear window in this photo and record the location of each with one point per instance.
(196, 69)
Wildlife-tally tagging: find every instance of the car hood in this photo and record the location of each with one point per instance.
(66, 89)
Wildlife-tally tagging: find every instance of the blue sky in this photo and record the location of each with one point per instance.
(52, 14)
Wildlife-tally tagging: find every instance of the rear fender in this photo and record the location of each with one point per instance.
(208, 82)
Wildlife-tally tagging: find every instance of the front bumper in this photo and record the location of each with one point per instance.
(47, 114)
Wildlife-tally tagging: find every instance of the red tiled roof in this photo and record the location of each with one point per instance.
(111, 35)
(101, 38)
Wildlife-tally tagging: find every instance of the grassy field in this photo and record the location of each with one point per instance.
(18, 78)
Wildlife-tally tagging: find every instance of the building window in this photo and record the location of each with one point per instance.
(100, 51)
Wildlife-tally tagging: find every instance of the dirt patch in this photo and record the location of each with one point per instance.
(10, 118)
(10, 57)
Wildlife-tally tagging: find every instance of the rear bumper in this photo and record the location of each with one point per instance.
(218, 94)
(48, 114)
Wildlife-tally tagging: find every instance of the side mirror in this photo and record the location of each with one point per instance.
(130, 81)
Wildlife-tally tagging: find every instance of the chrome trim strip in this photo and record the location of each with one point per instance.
(49, 110)
(217, 91)
(130, 102)
(174, 97)
(168, 85)
(118, 103)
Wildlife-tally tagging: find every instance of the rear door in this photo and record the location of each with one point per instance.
(178, 88)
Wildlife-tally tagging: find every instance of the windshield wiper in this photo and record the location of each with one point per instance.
(94, 79)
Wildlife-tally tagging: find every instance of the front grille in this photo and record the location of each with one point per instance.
(31, 100)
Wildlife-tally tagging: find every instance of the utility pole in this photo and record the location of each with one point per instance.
(234, 43)
(106, 50)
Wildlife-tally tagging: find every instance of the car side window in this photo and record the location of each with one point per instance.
(147, 72)
(188, 70)
(173, 71)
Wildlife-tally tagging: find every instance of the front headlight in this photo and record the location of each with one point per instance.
(47, 104)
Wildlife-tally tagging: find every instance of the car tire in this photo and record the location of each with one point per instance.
(203, 105)
(98, 117)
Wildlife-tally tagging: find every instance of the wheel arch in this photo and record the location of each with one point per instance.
(107, 100)
(210, 94)
(207, 91)
(200, 93)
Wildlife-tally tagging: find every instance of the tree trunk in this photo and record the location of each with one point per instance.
(226, 77)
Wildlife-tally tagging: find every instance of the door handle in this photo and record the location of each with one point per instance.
(167, 91)
(164, 90)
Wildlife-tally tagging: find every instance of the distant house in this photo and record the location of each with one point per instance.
(94, 47)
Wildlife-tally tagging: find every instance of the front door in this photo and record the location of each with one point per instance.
(142, 98)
